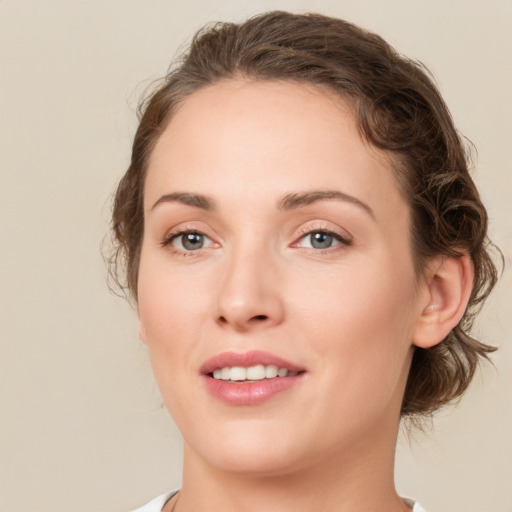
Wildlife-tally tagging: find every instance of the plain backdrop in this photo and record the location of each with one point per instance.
(82, 426)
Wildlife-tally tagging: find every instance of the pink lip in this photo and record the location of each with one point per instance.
(248, 393)
(247, 359)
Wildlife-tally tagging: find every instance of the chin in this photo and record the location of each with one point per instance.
(256, 463)
(251, 451)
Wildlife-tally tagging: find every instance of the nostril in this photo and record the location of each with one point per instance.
(242, 323)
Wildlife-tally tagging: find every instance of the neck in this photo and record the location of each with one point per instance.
(354, 478)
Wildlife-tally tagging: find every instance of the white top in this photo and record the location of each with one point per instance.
(157, 504)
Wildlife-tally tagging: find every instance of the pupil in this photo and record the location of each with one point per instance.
(321, 240)
(193, 241)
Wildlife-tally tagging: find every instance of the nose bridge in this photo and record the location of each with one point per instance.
(249, 295)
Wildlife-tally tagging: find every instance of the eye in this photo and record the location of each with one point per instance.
(321, 239)
(187, 241)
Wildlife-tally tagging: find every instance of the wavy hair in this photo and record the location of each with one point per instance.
(397, 108)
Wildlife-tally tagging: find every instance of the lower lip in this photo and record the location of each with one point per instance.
(249, 393)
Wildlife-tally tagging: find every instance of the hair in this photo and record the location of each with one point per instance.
(397, 108)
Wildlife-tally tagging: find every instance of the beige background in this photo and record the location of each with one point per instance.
(81, 422)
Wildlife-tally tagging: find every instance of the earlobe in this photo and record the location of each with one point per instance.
(448, 288)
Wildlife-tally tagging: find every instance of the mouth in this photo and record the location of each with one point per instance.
(249, 378)
(239, 374)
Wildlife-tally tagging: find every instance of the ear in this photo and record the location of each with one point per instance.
(447, 290)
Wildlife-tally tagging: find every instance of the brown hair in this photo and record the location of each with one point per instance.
(397, 108)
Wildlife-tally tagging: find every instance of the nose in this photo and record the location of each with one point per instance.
(250, 295)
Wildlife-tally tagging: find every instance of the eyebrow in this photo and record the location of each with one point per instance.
(298, 199)
(195, 200)
(287, 202)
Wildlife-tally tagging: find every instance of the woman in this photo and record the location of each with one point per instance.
(306, 250)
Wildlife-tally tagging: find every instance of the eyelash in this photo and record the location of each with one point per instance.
(343, 240)
(169, 239)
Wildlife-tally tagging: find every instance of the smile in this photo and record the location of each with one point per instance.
(251, 373)
(249, 378)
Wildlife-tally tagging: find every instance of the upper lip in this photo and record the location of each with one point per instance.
(247, 359)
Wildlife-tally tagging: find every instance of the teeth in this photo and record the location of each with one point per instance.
(270, 371)
(282, 372)
(238, 373)
(256, 372)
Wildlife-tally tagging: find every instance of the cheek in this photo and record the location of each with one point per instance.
(167, 297)
(363, 321)
(170, 318)
(361, 297)
(172, 313)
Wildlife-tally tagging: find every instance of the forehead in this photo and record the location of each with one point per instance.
(268, 138)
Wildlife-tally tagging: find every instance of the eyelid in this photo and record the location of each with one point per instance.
(185, 227)
(325, 226)
(344, 239)
(180, 230)
(180, 234)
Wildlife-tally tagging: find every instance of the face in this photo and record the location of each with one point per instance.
(275, 240)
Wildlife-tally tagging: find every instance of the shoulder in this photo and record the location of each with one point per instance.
(156, 504)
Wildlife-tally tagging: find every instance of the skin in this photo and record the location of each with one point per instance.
(348, 314)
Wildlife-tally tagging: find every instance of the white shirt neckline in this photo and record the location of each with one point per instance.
(158, 503)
